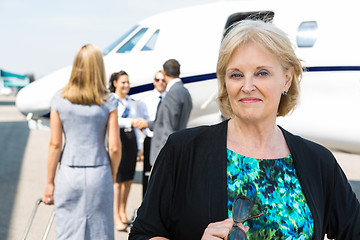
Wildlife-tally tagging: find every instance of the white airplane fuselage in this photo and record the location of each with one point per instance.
(329, 109)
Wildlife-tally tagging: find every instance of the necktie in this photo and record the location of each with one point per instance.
(125, 113)
(157, 109)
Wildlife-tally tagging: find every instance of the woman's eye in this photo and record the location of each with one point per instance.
(235, 75)
(262, 73)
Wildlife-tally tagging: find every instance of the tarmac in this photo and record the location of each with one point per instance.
(23, 156)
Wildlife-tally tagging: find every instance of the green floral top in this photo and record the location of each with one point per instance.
(273, 186)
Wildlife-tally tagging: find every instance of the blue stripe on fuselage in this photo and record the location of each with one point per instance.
(331, 68)
(185, 80)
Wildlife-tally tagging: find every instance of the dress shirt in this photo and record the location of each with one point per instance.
(171, 83)
(125, 122)
(147, 108)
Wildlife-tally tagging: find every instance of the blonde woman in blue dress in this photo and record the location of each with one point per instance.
(83, 111)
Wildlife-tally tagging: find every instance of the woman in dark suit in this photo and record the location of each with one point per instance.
(297, 188)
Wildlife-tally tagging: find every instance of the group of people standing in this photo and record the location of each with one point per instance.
(86, 205)
(165, 110)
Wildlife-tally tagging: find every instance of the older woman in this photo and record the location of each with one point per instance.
(297, 188)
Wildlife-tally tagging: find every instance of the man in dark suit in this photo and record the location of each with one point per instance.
(173, 111)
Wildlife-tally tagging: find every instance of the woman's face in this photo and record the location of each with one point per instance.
(122, 86)
(254, 82)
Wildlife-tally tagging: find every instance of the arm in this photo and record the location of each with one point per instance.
(171, 110)
(114, 142)
(152, 221)
(139, 142)
(54, 154)
(344, 215)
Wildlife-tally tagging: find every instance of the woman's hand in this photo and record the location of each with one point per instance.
(140, 156)
(48, 198)
(221, 230)
(139, 123)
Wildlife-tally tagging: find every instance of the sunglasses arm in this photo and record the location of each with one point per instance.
(251, 217)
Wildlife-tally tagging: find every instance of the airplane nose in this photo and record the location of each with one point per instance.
(35, 98)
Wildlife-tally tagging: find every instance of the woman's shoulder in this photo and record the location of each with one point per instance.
(204, 131)
(130, 100)
(111, 101)
(56, 100)
(305, 145)
(57, 94)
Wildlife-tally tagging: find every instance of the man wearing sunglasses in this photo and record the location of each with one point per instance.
(147, 108)
(173, 112)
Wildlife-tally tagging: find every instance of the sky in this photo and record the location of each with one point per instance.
(41, 36)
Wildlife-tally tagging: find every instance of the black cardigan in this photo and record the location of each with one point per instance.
(188, 188)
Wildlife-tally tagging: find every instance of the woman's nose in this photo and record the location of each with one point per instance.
(249, 85)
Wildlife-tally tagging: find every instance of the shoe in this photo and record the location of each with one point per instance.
(128, 223)
(122, 230)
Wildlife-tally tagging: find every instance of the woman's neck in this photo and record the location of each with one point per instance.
(263, 140)
(121, 95)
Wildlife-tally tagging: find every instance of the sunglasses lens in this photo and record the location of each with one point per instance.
(237, 234)
(241, 209)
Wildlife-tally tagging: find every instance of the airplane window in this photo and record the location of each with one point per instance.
(306, 36)
(114, 44)
(150, 45)
(129, 45)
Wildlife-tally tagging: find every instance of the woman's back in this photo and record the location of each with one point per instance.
(84, 128)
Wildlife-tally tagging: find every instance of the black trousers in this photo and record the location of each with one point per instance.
(147, 166)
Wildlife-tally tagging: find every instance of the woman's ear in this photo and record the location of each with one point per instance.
(289, 76)
(115, 83)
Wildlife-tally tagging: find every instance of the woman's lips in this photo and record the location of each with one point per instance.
(250, 100)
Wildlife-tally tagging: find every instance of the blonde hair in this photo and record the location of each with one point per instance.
(87, 84)
(271, 39)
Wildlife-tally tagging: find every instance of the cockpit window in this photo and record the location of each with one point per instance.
(114, 44)
(150, 45)
(129, 45)
(266, 16)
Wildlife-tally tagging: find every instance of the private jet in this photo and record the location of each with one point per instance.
(329, 110)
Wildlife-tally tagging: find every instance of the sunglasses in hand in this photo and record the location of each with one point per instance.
(241, 213)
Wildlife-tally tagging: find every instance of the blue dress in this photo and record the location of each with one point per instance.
(83, 197)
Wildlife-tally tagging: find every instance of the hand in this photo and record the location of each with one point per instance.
(48, 198)
(221, 230)
(140, 156)
(139, 123)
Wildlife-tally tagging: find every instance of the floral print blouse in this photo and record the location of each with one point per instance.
(273, 186)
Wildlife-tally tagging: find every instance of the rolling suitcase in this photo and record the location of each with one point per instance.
(37, 203)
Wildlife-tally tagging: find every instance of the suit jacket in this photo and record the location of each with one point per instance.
(188, 187)
(172, 115)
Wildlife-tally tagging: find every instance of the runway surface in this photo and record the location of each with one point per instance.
(23, 155)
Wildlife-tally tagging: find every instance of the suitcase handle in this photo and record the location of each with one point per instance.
(27, 229)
